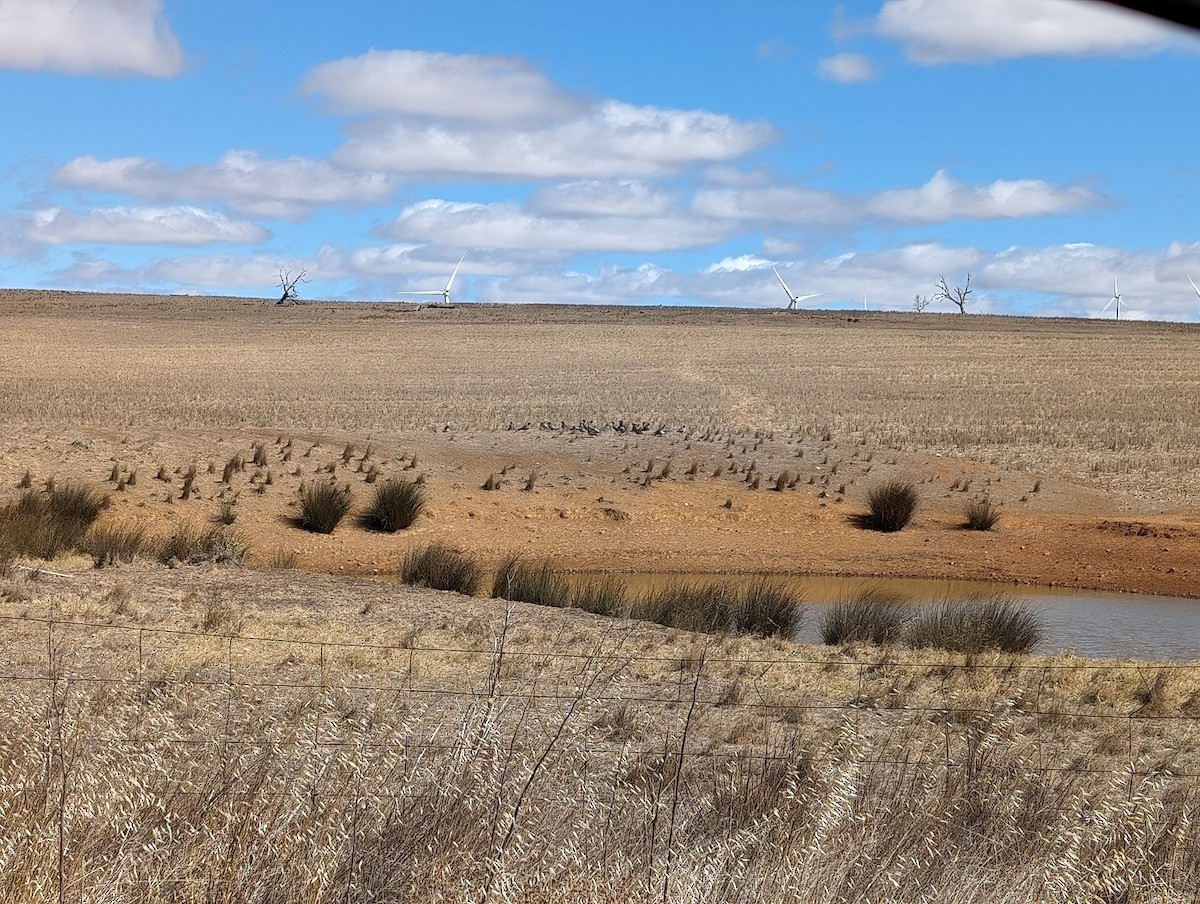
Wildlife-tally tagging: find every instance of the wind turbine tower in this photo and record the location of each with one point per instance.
(445, 293)
(1115, 302)
(794, 299)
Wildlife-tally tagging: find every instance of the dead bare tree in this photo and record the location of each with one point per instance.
(921, 302)
(288, 284)
(957, 296)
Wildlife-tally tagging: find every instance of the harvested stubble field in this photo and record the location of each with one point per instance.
(269, 733)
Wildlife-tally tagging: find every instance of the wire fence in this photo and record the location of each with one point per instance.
(1137, 719)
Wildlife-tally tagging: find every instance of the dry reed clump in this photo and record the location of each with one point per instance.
(890, 506)
(396, 505)
(192, 544)
(973, 625)
(322, 507)
(441, 567)
(46, 524)
(116, 544)
(530, 582)
(980, 515)
(871, 615)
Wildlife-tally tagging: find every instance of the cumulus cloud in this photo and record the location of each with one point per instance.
(507, 225)
(467, 116)
(622, 198)
(286, 189)
(103, 37)
(609, 141)
(847, 68)
(970, 31)
(258, 273)
(141, 226)
(776, 204)
(942, 198)
(493, 89)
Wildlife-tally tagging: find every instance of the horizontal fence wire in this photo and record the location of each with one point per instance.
(228, 678)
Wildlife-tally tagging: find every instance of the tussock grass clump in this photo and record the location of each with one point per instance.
(323, 506)
(531, 582)
(441, 567)
(974, 625)
(871, 615)
(980, 515)
(768, 608)
(45, 525)
(890, 506)
(114, 544)
(192, 544)
(706, 607)
(395, 506)
(602, 596)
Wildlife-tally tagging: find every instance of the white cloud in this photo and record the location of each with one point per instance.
(611, 141)
(491, 89)
(507, 225)
(942, 199)
(981, 31)
(775, 204)
(141, 226)
(467, 116)
(256, 274)
(287, 189)
(623, 198)
(739, 264)
(847, 68)
(105, 37)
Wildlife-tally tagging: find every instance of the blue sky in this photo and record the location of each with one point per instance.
(624, 152)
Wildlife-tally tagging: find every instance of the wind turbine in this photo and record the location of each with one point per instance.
(1115, 301)
(794, 300)
(445, 293)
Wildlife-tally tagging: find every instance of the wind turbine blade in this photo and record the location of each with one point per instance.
(807, 297)
(1109, 305)
(455, 273)
(420, 292)
(1194, 286)
(785, 285)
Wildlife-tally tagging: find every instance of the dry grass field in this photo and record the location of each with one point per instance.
(290, 730)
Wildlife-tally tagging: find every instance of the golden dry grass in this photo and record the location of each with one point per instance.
(221, 735)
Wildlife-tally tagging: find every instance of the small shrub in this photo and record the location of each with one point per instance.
(974, 625)
(981, 515)
(872, 615)
(322, 507)
(441, 567)
(395, 506)
(227, 514)
(891, 506)
(26, 480)
(531, 582)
